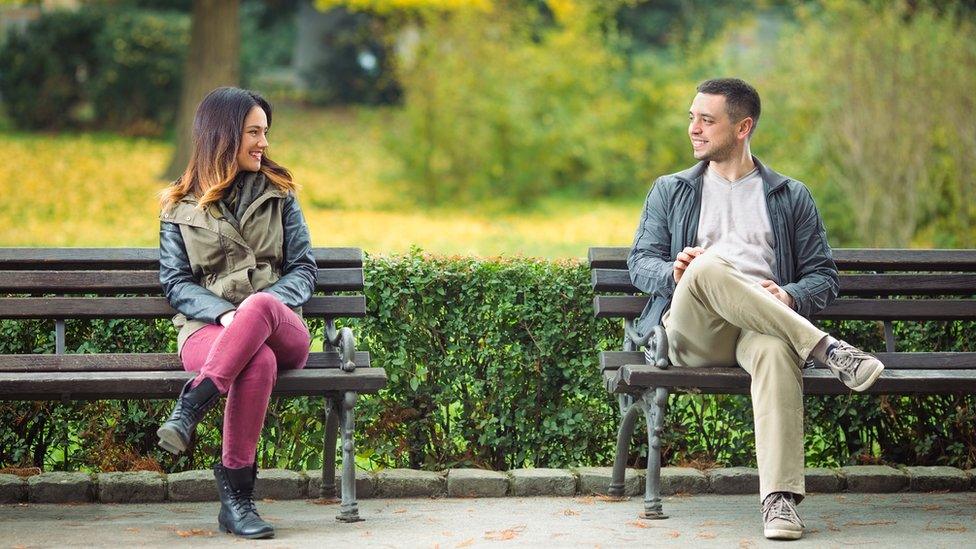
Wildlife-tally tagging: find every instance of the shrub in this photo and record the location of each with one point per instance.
(491, 363)
(141, 60)
(44, 69)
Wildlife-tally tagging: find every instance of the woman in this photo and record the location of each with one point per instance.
(237, 264)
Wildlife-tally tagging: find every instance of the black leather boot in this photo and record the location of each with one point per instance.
(191, 406)
(237, 512)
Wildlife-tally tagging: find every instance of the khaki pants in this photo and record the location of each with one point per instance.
(720, 317)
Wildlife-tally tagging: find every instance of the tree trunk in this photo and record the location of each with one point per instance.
(213, 61)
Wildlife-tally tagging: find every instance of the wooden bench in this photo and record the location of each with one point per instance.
(100, 284)
(919, 279)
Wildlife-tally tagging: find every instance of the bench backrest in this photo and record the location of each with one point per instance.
(875, 284)
(100, 282)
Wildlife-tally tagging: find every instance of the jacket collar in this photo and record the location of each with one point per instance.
(772, 180)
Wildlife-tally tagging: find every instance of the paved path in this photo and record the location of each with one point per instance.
(925, 521)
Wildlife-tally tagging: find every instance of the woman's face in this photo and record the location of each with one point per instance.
(254, 140)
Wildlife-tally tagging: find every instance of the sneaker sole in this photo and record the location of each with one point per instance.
(870, 380)
(170, 441)
(783, 534)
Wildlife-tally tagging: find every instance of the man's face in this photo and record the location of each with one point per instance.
(714, 137)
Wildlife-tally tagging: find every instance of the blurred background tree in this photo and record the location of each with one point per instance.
(522, 106)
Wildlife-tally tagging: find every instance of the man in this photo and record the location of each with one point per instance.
(735, 257)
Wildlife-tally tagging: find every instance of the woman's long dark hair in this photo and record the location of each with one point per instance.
(217, 129)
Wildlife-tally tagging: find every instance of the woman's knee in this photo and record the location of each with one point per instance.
(261, 369)
(260, 300)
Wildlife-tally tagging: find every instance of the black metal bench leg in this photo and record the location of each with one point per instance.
(349, 510)
(627, 423)
(332, 414)
(654, 402)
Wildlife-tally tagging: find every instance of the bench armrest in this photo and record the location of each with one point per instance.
(344, 342)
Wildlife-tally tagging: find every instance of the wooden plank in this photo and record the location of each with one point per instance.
(852, 259)
(167, 385)
(613, 360)
(815, 381)
(137, 362)
(140, 282)
(151, 307)
(133, 258)
(841, 309)
(618, 280)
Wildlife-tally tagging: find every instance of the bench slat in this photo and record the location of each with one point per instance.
(815, 381)
(150, 307)
(847, 259)
(133, 258)
(166, 385)
(613, 360)
(841, 309)
(132, 362)
(618, 280)
(140, 282)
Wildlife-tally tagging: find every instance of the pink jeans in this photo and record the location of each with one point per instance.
(243, 361)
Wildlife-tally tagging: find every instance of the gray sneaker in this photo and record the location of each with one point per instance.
(780, 520)
(857, 369)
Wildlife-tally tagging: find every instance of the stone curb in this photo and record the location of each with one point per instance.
(876, 479)
(937, 478)
(131, 487)
(60, 487)
(541, 482)
(145, 486)
(683, 480)
(408, 483)
(820, 480)
(734, 480)
(13, 489)
(596, 480)
(365, 484)
(476, 483)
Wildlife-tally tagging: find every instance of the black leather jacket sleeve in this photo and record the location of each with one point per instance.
(298, 268)
(176, 276)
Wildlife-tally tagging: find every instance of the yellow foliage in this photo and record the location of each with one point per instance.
(387, 6)
(100, 190)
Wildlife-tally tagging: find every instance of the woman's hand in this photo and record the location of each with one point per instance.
(226, 318)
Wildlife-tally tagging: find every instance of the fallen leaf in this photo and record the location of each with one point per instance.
(194, 533)
(466, 543)
(745, 543)
(614, 499)
(585, 500)
(570, 512)
(267, 500)
(708, 523)
(947, 527)
(674, 534)
(932, 507)
(506, 534)
(324, 501)
(133, 530)
(398, 511)
(706, 535)
(638, 524)
(869, 523)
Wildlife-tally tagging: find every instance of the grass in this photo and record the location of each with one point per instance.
(96, 189)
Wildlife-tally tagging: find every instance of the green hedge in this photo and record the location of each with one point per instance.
(492, 363)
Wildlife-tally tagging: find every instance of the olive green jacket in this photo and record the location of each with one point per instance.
(207, 266)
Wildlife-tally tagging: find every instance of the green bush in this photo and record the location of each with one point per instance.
(141, 60)
(43, 69)
(491, 363)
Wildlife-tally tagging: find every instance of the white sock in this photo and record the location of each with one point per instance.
(819, 352)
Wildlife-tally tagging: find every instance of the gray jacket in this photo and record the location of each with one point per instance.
(209, 263)
(669, 223)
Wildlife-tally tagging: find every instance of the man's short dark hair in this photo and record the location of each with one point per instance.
(741, 99)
